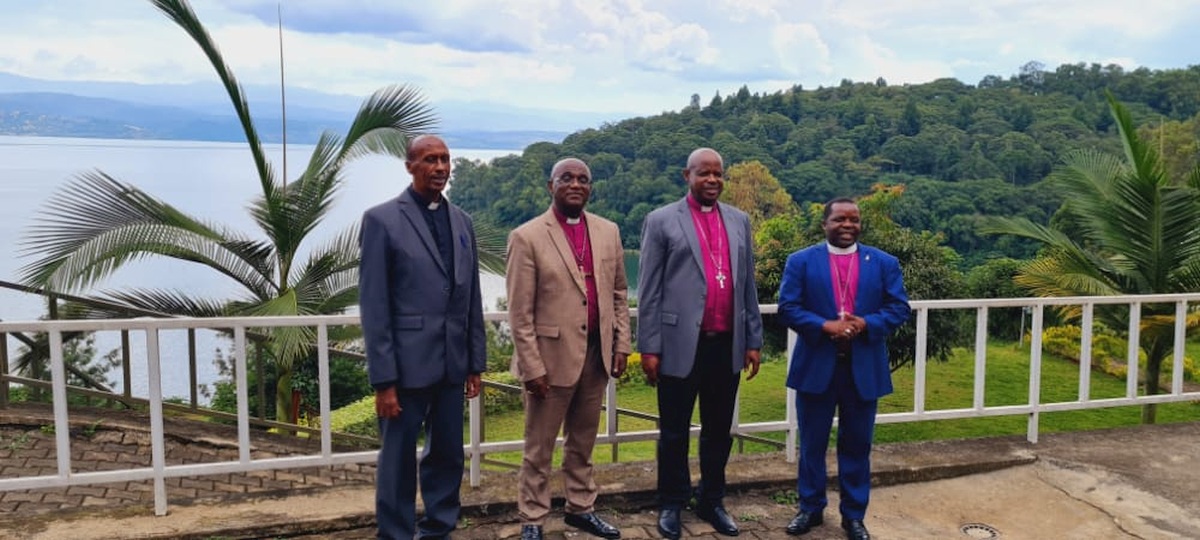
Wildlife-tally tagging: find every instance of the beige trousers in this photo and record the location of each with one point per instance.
(576, 410)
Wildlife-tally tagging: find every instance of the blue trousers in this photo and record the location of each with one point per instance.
(437, 412)
(856, 429)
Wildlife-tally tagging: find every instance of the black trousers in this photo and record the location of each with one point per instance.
(715, 383)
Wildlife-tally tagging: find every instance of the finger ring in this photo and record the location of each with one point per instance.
(847, 330)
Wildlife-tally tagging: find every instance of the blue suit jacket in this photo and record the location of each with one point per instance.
(671, 288)
(419, 330)
(806, 301)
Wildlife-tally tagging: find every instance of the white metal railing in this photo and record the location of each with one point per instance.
(476, 448)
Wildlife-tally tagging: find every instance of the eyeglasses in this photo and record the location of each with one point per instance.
(567, 178)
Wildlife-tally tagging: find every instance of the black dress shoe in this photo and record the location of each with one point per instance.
(804, 522)
(716, 516)
(531, 532)
(592, 524)
(668, 523)
(855, 530)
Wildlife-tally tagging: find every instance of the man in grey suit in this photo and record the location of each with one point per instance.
(422, 320)
(698, 326)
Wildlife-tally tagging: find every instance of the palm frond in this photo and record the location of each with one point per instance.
(330, 276)
(385, 122)
(491, 241)
(181, 13)
(97, 223)
(172, 302)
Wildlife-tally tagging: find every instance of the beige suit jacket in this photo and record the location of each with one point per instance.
(547, 299)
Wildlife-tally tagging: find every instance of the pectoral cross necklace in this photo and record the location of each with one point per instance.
(579, 244)
(842, 287)
(715, 253)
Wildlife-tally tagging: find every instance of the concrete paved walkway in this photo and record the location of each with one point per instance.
(1126, 483)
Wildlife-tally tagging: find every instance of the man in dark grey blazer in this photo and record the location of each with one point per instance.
(698, 326)
(422, 320)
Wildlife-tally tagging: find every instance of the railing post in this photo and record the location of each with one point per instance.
(158, 449)
(611, 418)
(1085, 352)
(191, 334)
(243, 405)
(323, 396)
(981, 339)
(789, 449)
(475, 420)
(3, 370)
(1179, 344)
(1135, 339)
(58, 380)
(126, 371)
(1035, 373)
(920, 357)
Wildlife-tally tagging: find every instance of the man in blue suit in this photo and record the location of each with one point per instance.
(843, 299)
(422, 320)
(698, 328)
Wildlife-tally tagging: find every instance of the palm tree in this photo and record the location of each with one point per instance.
(97, 223)
(1125, 228)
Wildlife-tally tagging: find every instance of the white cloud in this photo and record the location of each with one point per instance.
(631, 56)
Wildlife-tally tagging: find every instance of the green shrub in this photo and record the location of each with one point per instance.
(633, 371)
(1109, 351)
(358, 418)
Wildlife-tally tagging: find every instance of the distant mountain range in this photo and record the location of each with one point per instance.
(201, 111)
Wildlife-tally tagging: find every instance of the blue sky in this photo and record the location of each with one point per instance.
(620, 56)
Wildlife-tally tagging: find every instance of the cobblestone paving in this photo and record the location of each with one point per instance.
(107, 440)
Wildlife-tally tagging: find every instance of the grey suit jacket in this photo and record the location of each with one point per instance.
(422, 322)
(671, 288)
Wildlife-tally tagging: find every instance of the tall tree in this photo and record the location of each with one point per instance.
(1124, 228)
(751, 187)
(97, 223)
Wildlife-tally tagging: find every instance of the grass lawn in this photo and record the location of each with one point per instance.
(949, 385)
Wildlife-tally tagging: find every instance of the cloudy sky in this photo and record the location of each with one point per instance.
(626, 56)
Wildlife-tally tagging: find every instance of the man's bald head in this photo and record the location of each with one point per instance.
(563, 163)
(700, 155)
(420, 142)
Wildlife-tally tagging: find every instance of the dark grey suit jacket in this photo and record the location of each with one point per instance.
(422, 322)
(671, 288)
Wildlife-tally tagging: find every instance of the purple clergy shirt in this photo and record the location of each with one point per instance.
(718, 273)
(843, 270)
(581, 250)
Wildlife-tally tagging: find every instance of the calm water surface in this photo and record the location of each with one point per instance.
(212, 181)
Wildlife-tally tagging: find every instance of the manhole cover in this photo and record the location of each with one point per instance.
(979, 530)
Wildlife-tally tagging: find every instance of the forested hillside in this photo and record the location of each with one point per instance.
(961, 151)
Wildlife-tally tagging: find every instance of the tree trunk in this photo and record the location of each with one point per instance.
(283, 395)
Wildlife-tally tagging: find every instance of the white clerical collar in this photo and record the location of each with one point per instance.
(572, 221)
(840, 250)
(707, 209)
(433, 205)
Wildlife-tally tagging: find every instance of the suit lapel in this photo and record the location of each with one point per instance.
(410, 210)
(825, 275)
(735, 243)
(689, 232)
(458, 239)
(558, 239)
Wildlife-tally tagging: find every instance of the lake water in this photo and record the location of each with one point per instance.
(212, 181)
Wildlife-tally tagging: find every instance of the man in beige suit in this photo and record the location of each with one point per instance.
(570, 327)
